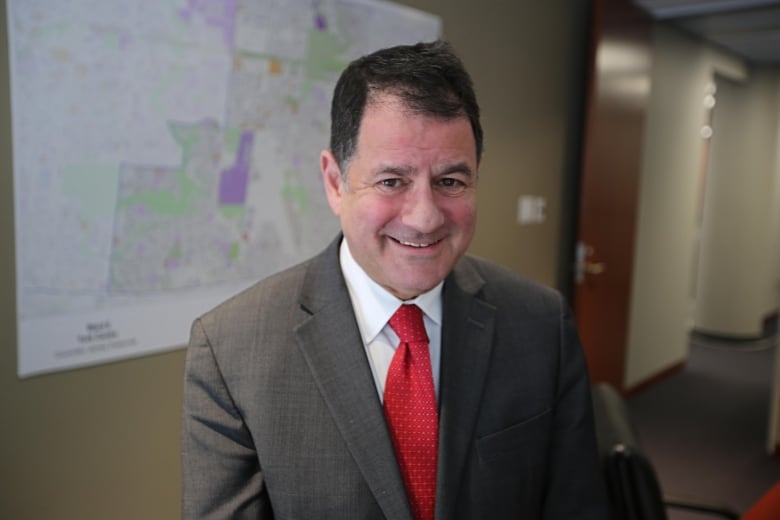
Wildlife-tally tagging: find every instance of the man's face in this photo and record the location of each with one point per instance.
(407, 204)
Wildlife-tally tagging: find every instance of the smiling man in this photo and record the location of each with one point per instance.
(407, 200)
(392, 376)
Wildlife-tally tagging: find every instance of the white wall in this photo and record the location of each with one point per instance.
(774, 239)
(665, 225)
(737, 270)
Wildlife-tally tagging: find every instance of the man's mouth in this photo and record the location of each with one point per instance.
(418, 245)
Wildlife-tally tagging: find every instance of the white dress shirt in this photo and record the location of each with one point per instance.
(374, 306)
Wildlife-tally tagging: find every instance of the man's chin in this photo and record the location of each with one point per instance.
(408, 286)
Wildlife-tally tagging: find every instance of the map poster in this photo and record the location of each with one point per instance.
(166, 156)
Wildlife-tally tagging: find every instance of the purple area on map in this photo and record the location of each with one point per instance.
(226, 248)
(233, 181)
(320, 23)
(217, 14)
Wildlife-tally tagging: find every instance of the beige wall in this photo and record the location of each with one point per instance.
(102, 442)
(517, 53)
(667, 294)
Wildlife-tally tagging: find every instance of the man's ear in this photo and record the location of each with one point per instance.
(331, 178)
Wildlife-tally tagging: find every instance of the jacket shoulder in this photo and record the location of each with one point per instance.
(280, 289)
(499, 284)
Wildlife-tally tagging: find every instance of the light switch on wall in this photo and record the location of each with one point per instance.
(531, 209)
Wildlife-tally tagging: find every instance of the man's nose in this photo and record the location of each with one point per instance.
(422, 212)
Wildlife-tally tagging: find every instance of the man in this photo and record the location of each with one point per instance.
(299, 391)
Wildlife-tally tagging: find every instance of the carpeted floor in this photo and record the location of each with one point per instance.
(705, 429)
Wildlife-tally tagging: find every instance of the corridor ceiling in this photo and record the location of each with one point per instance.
(748, 28)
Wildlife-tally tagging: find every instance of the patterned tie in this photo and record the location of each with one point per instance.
(410, 410)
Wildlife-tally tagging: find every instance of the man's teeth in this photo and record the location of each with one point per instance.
(413, 244)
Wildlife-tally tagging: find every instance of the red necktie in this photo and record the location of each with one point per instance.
(410, 410)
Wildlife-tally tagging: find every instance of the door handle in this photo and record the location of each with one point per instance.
(582, 266)
(595, 267)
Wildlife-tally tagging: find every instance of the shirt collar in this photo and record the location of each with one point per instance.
(373, 304)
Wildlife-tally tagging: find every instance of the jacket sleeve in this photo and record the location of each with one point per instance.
(576, 487)
(221, 474)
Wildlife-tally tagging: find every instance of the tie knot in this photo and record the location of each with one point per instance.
(407, 322)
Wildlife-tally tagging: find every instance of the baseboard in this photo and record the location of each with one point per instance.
(769, 328)
(654, 379)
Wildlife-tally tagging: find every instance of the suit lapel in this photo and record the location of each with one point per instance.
(467, 338)
(331, 344)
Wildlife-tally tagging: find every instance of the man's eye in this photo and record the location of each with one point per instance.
(390, 183)
(451, 185)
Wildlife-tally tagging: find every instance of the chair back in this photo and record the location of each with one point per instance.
(632, 483)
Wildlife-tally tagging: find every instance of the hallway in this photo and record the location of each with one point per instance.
(705, 428)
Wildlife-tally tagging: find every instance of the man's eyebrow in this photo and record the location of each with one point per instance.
(401, 170)
(393, 169)
(459, 167)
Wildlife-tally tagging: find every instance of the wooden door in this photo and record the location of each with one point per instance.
(619, 87)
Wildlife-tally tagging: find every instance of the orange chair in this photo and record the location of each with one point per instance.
(767, 507)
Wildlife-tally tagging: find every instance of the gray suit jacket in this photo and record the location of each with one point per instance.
(282, 418)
